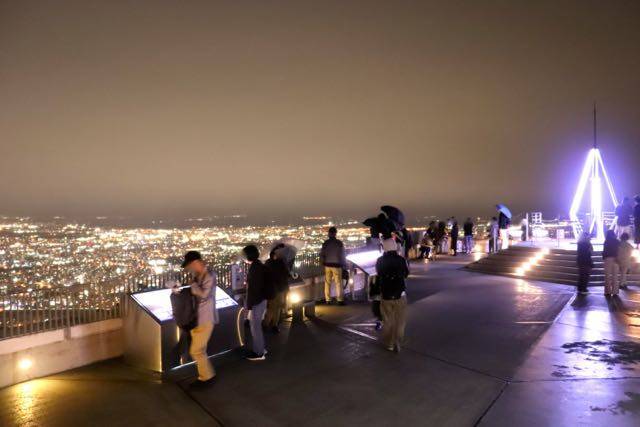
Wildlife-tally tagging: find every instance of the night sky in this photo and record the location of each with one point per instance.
(278, 108)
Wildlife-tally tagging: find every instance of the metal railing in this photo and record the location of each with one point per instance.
(40, 310)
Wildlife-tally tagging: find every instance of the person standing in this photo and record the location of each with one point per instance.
(203, 287)
(585, 262)
(636, 221)
(332, 257)
(392, 270)
(623, 217)
(610, 255)
(279, 274)
(467, 227)
(258, 291)
(493, 235)
(503, 223)
(625, 254)
(455, 232)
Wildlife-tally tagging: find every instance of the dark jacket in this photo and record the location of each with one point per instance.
(585, 249)
(332, 253)
(392, 269)
(455, 231)
(468, 228)
(636, 215)
(259, 286)
(610, 249)
(279, 274)
(503, 221)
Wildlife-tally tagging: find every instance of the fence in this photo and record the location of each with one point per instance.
(39, 310)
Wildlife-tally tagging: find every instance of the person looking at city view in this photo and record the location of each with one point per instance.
(455, 231)
(203, 288)
(259, 290)
(332, 257)
(279, 274)
(392, 270)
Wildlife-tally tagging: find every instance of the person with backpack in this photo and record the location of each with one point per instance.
(203, 288)
(259, 290)
(392, 270)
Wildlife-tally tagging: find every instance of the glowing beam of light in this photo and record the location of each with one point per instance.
(582, 185)
(612, 193)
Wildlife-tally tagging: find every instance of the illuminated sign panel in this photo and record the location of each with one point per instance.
(159, 304)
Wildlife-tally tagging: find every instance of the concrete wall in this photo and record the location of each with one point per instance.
(46, 353)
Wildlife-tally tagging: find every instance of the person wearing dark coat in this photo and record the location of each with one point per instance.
(392, 270)
(279, 274)
(455, 231)
(585, 262)
(610, 256)
(333, 259)
(503, 224)
(467, 227)
(259, 290)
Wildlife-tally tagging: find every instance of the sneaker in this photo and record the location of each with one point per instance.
(254, 357)
(275, 330)
(202, 384)
(583, 292)
(390, 348)
(378, 325)
(341, 303)
(397, 348)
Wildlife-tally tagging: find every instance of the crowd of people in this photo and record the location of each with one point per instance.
(442, 237)
(267, 283)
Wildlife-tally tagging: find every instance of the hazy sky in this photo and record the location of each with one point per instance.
(158, 108)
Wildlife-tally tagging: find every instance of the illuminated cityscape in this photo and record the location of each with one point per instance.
(45, 255)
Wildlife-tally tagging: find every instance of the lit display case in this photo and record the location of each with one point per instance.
(154, 341)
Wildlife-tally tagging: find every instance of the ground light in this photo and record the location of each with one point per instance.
(295, 298)
(25, 364)
(532, 261)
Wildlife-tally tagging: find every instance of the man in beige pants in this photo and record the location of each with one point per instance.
(332, 257)
(392, 270)
(204, 288)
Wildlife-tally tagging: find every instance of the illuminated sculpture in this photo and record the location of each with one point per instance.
(593, 172)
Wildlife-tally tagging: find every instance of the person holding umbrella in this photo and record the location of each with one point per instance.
(504, 221)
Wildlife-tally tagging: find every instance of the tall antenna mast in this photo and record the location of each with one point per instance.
(595, 127)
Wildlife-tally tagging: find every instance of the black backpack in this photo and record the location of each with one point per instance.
(185, 309)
